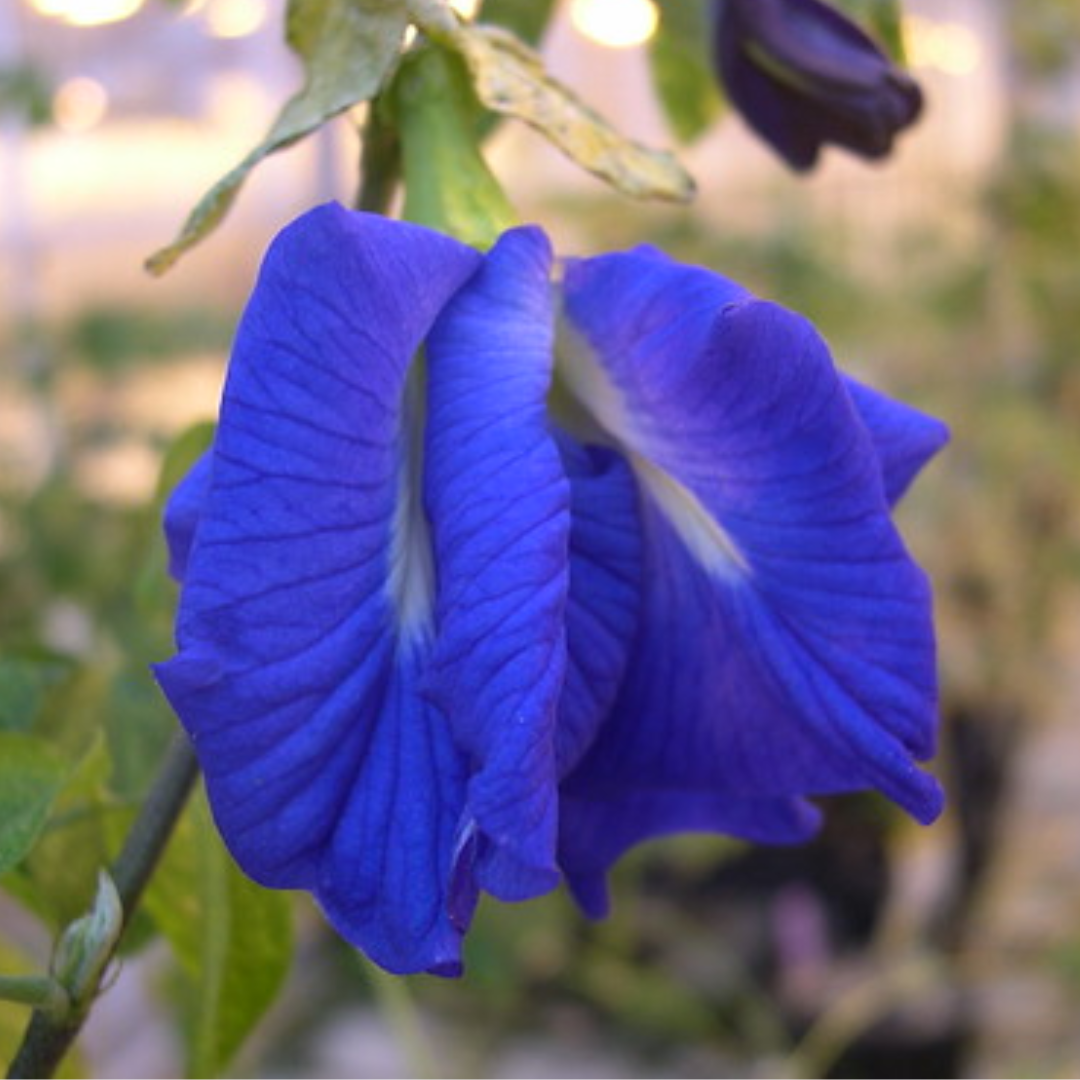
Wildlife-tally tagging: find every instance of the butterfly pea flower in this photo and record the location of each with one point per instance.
(450, 624)
(373, 555)
(803, 75)
(783, 644)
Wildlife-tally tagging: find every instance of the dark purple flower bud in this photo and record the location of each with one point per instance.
(803, 75)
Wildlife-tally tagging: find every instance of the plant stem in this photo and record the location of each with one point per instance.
(153, 827)
(50, 1034)
(41, 991)
(380, 162)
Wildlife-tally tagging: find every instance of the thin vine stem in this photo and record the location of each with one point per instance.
(50, 1033)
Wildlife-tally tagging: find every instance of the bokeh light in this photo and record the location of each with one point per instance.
(949, 47)
(79, 104)
(234, 18)
(617, 24)
(87, 12)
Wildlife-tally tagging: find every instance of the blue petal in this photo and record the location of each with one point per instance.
(392, 851)
(785, 646)
(605, 585)
(290, 673)
(182, 513)
(499, 505)
(904, 438)
(598, 826)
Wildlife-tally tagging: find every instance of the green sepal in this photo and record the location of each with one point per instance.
(448, 184)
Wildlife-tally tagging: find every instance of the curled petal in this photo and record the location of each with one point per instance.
(904, 438)
(291, 677)
(598, 826)
(785, 646)
(499, 506)
(605, 584)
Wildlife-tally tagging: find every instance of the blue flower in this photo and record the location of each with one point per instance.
(782, 644)
(371, 630)
(803, 75)
(449, 625)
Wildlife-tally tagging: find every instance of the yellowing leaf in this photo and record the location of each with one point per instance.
(510, 78)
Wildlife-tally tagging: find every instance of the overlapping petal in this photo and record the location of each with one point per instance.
(499, 504)
(605, 590)
(317, 591)
(785, 646)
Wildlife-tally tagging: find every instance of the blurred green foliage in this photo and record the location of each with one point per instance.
(25, 93)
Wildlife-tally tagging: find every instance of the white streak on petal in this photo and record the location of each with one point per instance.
(412, 566)
(593, 391)
(706, 541)
(578, 370)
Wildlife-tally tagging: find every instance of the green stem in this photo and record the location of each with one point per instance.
(380, 162)
(153, 827)
(41, 991)
(51, 1032)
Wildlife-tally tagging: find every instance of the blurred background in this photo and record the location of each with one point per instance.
(948, 275)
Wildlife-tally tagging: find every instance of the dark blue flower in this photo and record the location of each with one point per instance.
(803, 75)
(447, 629)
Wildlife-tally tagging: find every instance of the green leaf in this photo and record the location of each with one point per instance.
(136, 717)
(883, 19)
(57, 878)
(31, 775)
(138, 727)
(448, 185)
(231, 937)
(510, 78)
(25, 682)
(348, 48)
(526, 18)
(682, 69)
